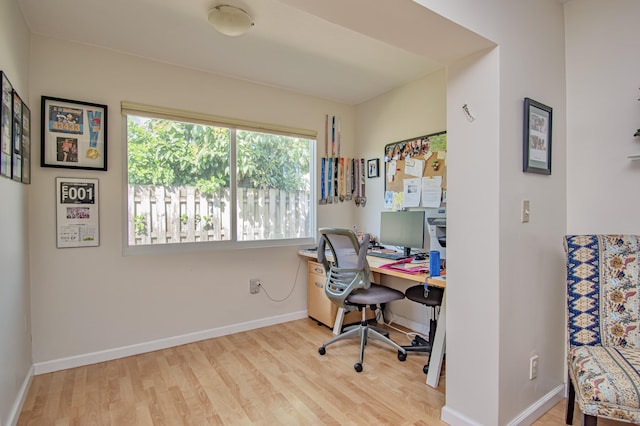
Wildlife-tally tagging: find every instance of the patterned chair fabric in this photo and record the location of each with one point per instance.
(603, 325)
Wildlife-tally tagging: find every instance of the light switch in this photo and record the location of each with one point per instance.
(524, 217)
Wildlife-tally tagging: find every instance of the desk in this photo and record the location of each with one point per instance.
(438, 344)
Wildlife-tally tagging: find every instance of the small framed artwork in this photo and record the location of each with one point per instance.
(77, 213)
(16, 152)
(74, 134)
(6, 126)
(373, 168)
(537, 137)
(26, 144)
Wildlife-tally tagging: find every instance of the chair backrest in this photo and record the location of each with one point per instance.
(349, 269)
(602, 290)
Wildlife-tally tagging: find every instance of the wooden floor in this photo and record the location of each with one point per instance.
(270, 376)
(555, 417)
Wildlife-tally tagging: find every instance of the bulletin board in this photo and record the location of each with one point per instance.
(399, 157)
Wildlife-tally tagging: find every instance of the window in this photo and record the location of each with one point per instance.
(198, 179)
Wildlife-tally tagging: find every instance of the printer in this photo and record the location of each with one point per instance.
(437, 230)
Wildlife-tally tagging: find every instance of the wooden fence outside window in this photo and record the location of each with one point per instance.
(179, 214)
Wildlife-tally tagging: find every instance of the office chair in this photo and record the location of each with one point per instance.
(431, 298)
(349, 287)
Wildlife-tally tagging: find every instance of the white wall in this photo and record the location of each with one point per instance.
(603, 113)
(505, 279)
(415, 109)
(473, 238)
(15, 335)
(87, 300)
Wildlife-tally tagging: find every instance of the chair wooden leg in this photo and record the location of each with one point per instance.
(571, 399)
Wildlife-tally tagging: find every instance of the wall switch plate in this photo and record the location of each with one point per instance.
(524, 215)
(533, 367)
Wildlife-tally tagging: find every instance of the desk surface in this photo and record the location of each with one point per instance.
(375, 264)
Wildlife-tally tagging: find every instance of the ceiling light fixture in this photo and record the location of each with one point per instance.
(230, 20)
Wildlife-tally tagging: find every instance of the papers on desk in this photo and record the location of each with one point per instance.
(411, 267)
(406, 266)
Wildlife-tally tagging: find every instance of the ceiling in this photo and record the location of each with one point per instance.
(343, 51)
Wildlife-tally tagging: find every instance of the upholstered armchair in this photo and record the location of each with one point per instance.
(603, 327)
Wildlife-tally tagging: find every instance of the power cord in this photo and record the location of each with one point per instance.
(409, 334)
(290, 291)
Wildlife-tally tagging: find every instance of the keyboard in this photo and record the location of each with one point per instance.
(391, 256)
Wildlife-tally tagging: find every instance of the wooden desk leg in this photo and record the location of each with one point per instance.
(337, 325)
(439, 343)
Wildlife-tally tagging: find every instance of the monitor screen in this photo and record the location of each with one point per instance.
(403, 229)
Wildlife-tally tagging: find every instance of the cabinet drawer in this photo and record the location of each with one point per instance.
(315, 268)
(319, 307)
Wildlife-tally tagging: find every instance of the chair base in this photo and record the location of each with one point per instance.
(380, 330)
(365, 332)
(420, 344)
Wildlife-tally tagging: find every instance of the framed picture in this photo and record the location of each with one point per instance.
(77, 213)
(74, 134)
(373, 168)
(26, 144)
(537, 138)
(6, 125)
(16, 152)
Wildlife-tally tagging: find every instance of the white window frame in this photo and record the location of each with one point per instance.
(130, 108)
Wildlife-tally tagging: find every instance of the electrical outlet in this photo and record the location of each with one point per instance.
(533, 367)
(254, 286)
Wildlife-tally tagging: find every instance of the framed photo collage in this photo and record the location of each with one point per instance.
(15, 134)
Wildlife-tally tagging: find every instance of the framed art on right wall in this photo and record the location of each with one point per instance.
(537, 137)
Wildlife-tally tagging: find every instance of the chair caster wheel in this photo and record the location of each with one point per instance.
(402, 356)
(358, 367)
(425, 369)
(322, 350)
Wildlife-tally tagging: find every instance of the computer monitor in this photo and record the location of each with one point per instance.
(403, 229)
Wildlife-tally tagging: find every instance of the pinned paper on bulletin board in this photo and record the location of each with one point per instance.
(423, 158)
(431, 191)
(412, 189)
(413, 167)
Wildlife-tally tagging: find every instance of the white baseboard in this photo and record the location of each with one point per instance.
(527, 417)
(454, 418)
(14, 414)
(125, 351)
(540, 407)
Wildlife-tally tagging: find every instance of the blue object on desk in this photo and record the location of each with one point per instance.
(434, 263)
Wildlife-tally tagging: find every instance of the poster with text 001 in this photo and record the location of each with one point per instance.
(78, 223)
(77, 193)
